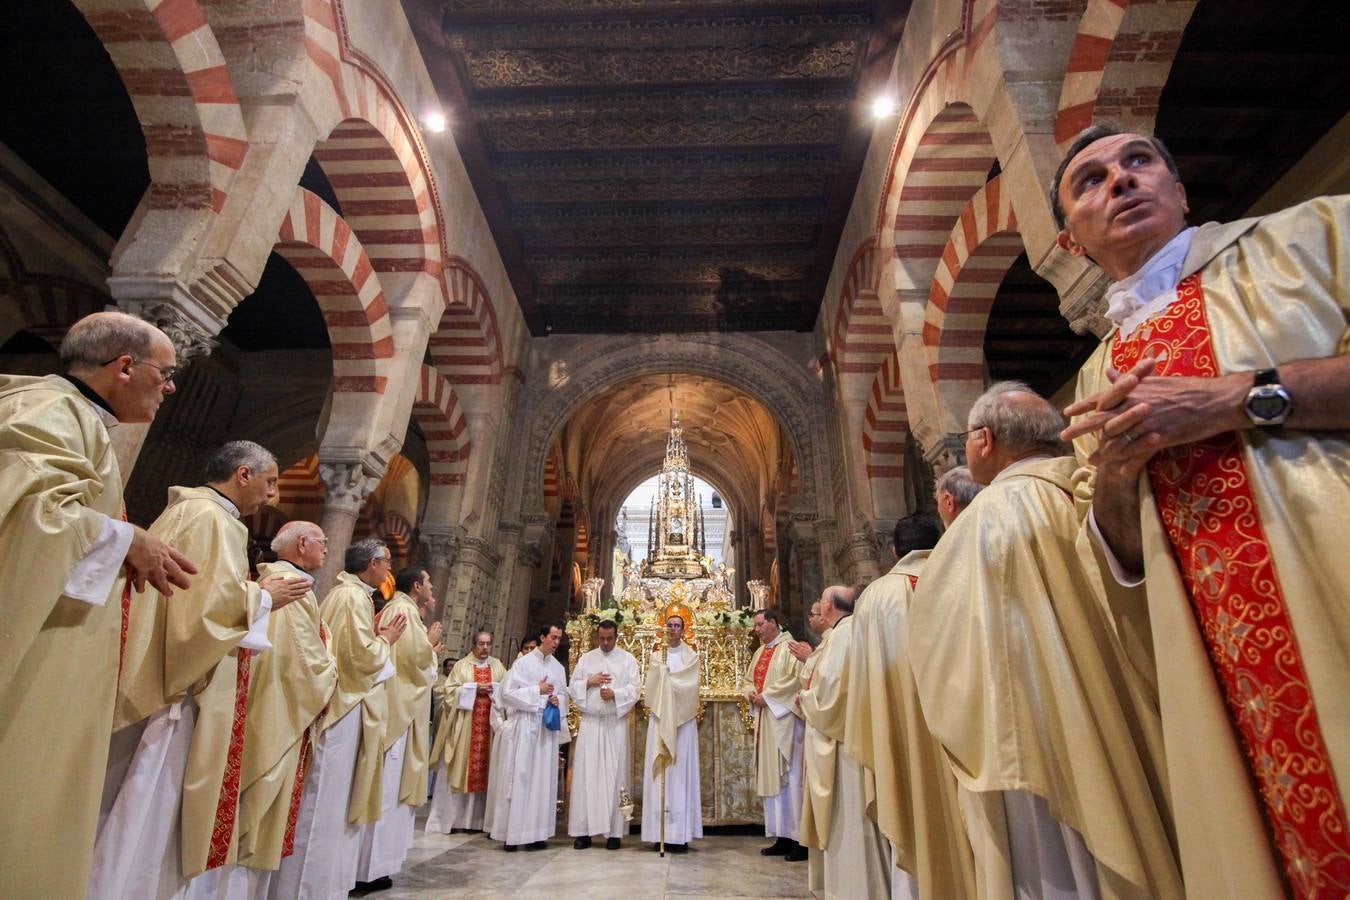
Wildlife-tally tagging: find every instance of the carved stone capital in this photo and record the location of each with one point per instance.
(861, 545)
(442, 543)
(481, 554)
(190, 340)
(529, 555)
(348, 484)
(946, 454)
(827, 530)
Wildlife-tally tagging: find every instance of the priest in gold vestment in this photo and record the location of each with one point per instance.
(386, 841)
(770, 686)
(911, 791)
(1231, 344)
(834, 818)
(64, 552)
(335, 801)
(289, 688)
(182, 696)
(462, 751)
(1051, 735)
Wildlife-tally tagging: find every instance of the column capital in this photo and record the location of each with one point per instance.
(442, 542)
(948, 453)
(529, 555)
(348, 484)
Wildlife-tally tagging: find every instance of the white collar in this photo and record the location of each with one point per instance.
(1155, 279)
(775, 642)
(225, 502)
(482, 663)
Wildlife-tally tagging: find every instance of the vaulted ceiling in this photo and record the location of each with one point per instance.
(619, 438)
(662, 165)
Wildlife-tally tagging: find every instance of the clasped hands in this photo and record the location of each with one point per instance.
(602, 680)
(756, 699)
(1140, 413)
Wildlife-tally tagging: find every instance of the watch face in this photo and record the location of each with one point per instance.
(1267, 403)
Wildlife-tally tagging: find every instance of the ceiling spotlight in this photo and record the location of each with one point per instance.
(882, 107)
(435, 121)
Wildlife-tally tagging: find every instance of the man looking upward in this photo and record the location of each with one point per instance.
(1222, 472)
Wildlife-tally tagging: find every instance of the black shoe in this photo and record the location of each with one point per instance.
(677, 848)
(370, 887)
(511, 848)
(780, 848)
(796, 854)
(582, 843)
(612, 844)
(539, 845)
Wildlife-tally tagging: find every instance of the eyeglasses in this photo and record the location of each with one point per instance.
(965, 435)
(313, 540)
(383, 559)
(166, 373)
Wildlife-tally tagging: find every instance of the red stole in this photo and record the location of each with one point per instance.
(762, 666)
(480, 733)
(227, 808)
(1209, 512)
(301, 770)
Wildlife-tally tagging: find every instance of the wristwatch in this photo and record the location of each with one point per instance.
(1268, 404)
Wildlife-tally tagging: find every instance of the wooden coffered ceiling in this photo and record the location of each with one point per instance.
(662, 165)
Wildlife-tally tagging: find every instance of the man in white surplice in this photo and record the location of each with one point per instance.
(528, 813)
(672, 745)
(605, 686)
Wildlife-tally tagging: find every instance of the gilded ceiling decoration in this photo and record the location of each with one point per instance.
(655, 165)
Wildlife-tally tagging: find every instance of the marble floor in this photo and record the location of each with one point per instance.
(469, 865)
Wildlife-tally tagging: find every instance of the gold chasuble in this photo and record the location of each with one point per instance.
(773, 672)
(361, 655)
(1248, 579)
(1024, 684)
(288, 690)
(464, 738)
(823, 707)
(191, 641)
(673, 699)
(58, 483)
(912, 791)
(409, 698)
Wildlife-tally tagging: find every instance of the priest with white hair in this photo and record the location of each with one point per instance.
(605, 687)
(535, 685)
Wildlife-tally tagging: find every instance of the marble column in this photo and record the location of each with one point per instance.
(347, 485)
(468, 601)
(517, 611)
(857, 559)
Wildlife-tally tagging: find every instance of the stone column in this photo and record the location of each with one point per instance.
(856, 559)
(348, 484)
(799, 600)
(442, 543)
(516, 612)
(468, 597)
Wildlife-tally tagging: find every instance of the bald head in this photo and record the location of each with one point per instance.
(836, 601)
(105, 336)
(301, 543)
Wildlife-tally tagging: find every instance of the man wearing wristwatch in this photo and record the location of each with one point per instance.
(1225, 386)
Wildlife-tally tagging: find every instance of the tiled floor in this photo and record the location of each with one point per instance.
(469, 865)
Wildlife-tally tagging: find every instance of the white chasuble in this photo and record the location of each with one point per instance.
(600, 759)
(529, 764)
(60, 505)
(672, 731)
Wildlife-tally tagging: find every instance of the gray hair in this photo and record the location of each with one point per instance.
(1091, 135)
(290, 534)
(959, 483)
(1020, 426)
(99, 338)
(234, 455)
(361, 553)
